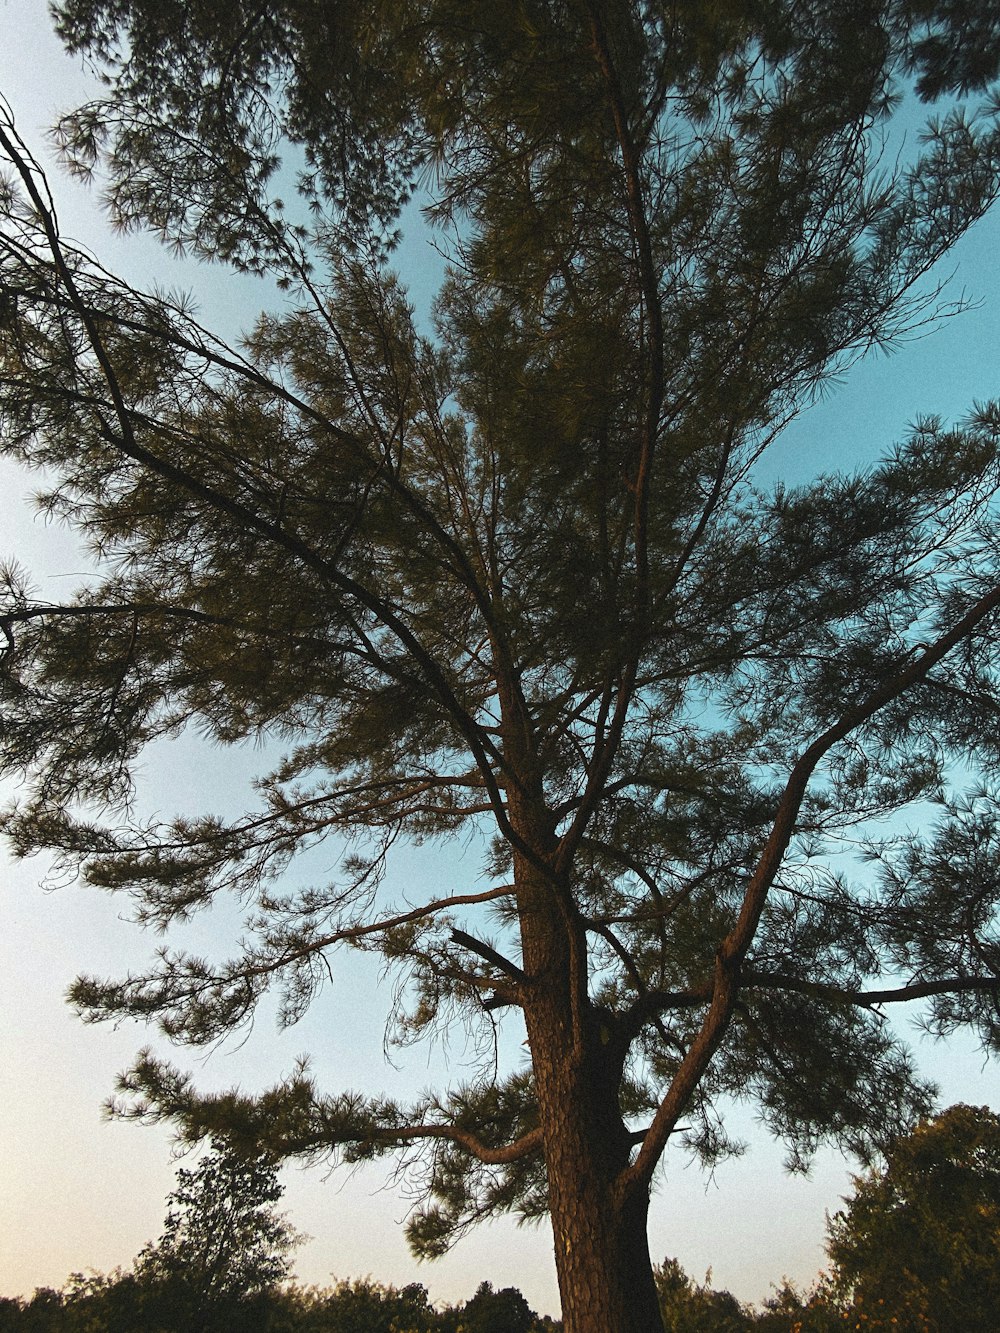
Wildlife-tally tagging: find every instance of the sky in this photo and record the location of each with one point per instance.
(81, 1192)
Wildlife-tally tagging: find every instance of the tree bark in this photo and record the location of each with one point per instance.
(599, 1231)
(601, 1249)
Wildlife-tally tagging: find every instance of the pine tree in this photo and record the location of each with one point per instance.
(522, 579)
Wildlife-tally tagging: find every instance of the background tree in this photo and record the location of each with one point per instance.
(361, 1306)
(788, 1310)
(918, 1245)
(525, 579)
(223, 1246)
(127, 1302)
(489, 1311)
(44, 1312)
(87, 1303)
(691, 1307)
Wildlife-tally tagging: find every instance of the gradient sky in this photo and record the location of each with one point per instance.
(79, 1192)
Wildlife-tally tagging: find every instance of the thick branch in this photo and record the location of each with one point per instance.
(733, 948)
(491, 955)
(652, 1003)
(525, 1146)
(869, 999)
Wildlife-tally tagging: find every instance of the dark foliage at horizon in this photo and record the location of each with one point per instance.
(916, 1249)
(118, 1303)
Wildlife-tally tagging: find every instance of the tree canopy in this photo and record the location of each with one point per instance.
(918, 1244)
(136, 1302)
(689, 1307)
(222, 1243)
(523, 577)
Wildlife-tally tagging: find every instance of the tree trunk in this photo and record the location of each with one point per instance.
(602, 1259)
(601, 1249)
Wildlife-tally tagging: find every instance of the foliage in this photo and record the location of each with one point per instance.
(504, 1311)
(361, 1306)
(87, 1303)
(688, 1307)
(819, 1310)
(121, 1303)
(918, 1245)
(222, 1245)
(524, 578)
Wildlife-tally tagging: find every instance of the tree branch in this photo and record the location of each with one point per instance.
(525, 1146)
(612, 721)
(491, 955)
(403, 919)
(484, 751)
(869, 999)
(733, 948)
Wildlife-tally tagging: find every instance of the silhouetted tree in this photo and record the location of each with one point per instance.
(490, 1311)
(361, 1306)
(223, 1246)
(526, 578)
(789, 1310)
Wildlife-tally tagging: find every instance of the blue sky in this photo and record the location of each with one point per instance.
(80, 1192)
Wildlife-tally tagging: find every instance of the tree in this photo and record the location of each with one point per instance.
(918, 1245)
(360, 1307)
(524, 579)
(818, 1310)
(688, 1307)
(223, 1246)
(490, 1311)
(92, 1303)
(10, 1313)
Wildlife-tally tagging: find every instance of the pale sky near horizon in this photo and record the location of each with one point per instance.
(78, 1192)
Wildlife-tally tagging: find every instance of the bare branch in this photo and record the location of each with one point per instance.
(869, 999)
(491, 955)
(406, 918)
